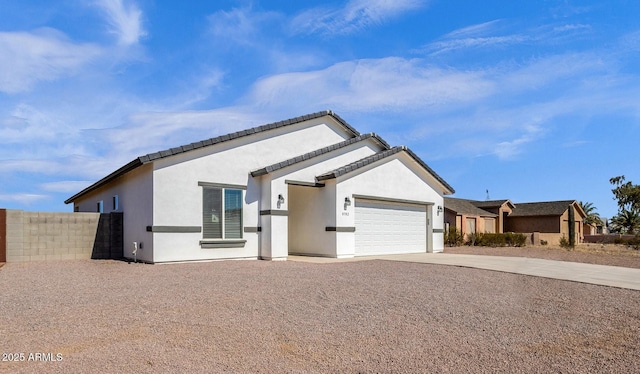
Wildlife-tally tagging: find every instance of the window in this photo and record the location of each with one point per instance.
(471, 225)
(100, 206)
(221, 213)
(116, 202)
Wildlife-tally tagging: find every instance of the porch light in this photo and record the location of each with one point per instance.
(280, 200)
(347, 202)
(439, 209)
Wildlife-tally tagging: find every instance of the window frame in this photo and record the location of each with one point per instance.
(223, 188)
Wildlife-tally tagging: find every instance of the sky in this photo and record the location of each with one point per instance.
(530, 101)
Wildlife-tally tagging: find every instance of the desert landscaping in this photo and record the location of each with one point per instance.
(296, 317)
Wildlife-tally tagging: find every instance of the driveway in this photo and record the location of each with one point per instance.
(614, 276)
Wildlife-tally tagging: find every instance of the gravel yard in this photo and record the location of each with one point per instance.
(295, 317)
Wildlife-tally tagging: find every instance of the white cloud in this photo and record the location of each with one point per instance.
(125, 20)
(496, 34)
(147, 132)
(572, 27)
(508, 149)
(465, 43)
(393, 84)
(65, 186)
(240, 26)
(476, 30)
(353, 17)
(27, 58)
(23, 198)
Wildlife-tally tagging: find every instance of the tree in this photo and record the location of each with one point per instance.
(626, 222)
(592, 218)
(628, 196)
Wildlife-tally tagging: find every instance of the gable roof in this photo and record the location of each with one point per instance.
(545, 208)
(379, 156)
(492, 203)
(207, 143)
(318, 152)
(467, 207)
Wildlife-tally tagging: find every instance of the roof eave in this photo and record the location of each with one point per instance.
(123, 170)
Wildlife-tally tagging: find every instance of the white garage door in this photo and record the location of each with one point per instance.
(389, 227)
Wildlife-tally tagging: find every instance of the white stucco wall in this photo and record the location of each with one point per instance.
(396, 177)
(178, 197)
(310, 212)
(311, 209)
(134, 191)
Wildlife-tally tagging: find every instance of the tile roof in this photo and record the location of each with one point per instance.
(379, 156)
(545, 208)
(239, 134)
(209, 142)
(318, 152)
(464, 206)
(491, 203)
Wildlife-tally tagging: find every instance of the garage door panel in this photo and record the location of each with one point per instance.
(388, 227)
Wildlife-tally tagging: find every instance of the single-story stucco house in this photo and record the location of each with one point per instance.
(310, 185)
(470, 216)
(548, 218)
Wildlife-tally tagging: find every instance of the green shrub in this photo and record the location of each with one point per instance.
(508, 239)
(634, 242)
(493, 240)
(474, 239)
(453, 237)
(565, 243)
(543, 242)
(513, 239)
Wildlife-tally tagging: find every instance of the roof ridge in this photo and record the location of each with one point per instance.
(318, 152)
(242, 133)
(150, 157)
(379, 156)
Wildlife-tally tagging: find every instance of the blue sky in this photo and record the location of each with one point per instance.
(533, 101)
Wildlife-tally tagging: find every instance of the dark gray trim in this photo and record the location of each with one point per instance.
(392, 200)
(209, 142)
(340, 228)
(176, 229)
(252, 229)
(222, 243)
(382, 155)
(222, 185)
(304, 184)
(319, 152)
(274, 212)
(438, 231)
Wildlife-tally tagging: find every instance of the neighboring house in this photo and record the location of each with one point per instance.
(466, 217)
(309, 185)
(470, 216)
(549, 218)
(599, 228)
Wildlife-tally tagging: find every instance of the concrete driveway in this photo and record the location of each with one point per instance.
(614, 276)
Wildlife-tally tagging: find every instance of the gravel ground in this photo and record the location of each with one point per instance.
(294, 317)
(614, 255)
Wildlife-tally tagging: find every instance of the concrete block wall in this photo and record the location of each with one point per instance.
(37, 236)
